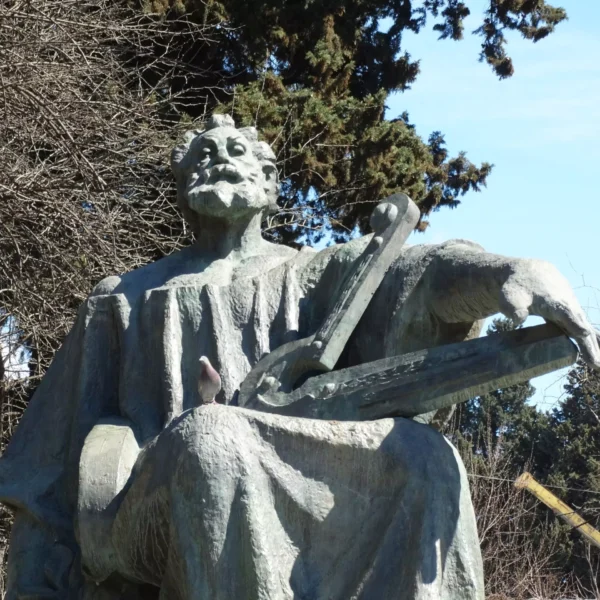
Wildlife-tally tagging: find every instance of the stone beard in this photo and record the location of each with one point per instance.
(226, 173)
(219, 189)
(125, 485)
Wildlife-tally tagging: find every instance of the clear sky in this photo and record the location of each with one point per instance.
(540, 129)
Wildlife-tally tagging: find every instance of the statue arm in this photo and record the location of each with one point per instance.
(39, 469)
(463, 283)
(439, 294)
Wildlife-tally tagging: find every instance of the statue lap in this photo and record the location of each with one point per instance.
(231, 503)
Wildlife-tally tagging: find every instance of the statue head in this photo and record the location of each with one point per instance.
(224, 172)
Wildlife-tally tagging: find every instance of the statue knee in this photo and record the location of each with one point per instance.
(210, 444)
(424, 455)
(210, 425)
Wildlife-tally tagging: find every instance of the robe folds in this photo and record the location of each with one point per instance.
(306, 509)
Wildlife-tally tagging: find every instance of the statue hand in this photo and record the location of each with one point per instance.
(538, 288)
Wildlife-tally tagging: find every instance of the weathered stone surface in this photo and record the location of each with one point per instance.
(107, 459)
(264, 506)
(225, 502)
(424, 381)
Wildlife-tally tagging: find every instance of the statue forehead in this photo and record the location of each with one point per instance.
(220, 133)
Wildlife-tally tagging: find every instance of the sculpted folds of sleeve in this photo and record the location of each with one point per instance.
(38, 471)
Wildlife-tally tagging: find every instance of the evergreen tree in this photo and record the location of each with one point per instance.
(314, 77)
(576, 428)
(569, 462)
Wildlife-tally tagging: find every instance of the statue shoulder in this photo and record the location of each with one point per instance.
(106, 287)
(422, 254)
(131, 282)
(185, 268)
(139, 280)
(343, 253)
(459, 242)
(349, 251)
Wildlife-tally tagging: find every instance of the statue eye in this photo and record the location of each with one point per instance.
(205, 153)
(237, 150)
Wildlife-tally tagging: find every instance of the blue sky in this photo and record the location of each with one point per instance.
(539, 128)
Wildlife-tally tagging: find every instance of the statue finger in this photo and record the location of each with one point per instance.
(577, 326)
(590, 350)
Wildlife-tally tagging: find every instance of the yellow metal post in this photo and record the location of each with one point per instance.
(560, 509)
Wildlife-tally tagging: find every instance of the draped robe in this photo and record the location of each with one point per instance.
(311, 509)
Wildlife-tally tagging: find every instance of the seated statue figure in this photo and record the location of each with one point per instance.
(125, 484)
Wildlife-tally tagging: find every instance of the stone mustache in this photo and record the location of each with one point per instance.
(128, 482)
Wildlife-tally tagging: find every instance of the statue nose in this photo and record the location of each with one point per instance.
(222, 157)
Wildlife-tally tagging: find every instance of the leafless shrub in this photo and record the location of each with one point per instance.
(520, 543)
(89, 118)
(592, 589)
(89, 110)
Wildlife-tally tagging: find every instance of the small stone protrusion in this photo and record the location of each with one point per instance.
(269, 384)
(327, 390)
(383, 216)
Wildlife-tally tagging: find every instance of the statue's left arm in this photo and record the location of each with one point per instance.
(464, 283)
(441, 293)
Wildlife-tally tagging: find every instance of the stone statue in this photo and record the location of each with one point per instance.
(129, 482)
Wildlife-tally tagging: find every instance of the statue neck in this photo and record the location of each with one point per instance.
(226, 239)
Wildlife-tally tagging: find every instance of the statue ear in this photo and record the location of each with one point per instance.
(271, 185)
(180, 154)
(270, 173)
